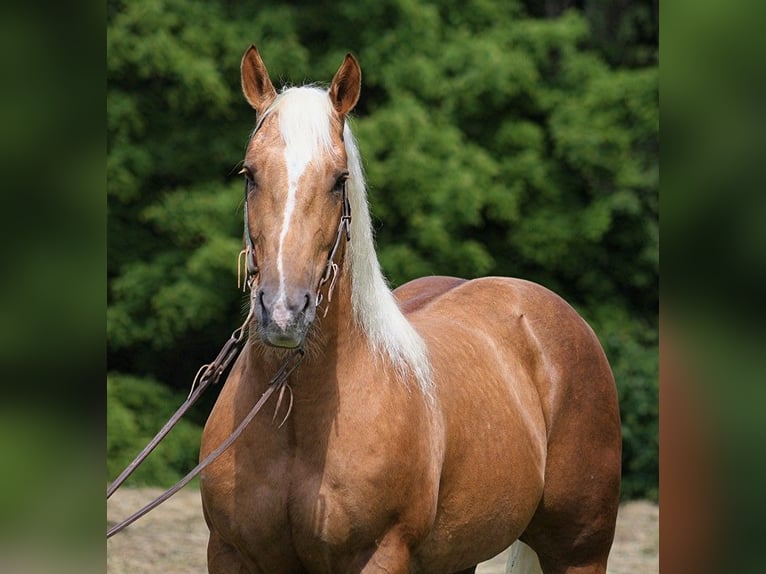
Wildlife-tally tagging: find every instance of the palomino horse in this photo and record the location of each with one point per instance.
(429, 428)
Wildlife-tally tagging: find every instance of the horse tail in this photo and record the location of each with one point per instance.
(522, 560)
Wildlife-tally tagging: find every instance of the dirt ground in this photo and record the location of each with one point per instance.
(172, 538)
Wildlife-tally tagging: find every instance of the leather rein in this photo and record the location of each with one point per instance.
(211, 373)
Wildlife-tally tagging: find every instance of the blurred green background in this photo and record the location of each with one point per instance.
(513, 138)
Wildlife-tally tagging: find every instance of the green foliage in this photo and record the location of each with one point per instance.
(630, 345)
(136, 410)
(499, 138)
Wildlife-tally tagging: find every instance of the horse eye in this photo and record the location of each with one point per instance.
(340, 181)
(249, 179)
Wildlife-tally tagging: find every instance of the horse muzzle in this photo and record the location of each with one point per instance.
(284, 317)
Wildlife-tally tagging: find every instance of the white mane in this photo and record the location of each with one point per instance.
(304, 121)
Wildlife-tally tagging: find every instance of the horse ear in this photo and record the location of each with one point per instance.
(256, 85)
(346, 85)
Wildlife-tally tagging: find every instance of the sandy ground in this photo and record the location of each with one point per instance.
(172, 538)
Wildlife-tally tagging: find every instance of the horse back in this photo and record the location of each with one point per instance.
(419, 292)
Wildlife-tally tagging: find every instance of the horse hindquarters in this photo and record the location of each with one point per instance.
(573, 528)
(532, 380)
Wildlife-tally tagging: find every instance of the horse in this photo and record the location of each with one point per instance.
(428, 428)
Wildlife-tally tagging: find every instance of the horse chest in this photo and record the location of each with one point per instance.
(303, 508)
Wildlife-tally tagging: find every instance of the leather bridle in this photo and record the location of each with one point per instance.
(212, 372)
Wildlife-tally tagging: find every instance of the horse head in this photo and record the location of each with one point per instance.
(295, 167)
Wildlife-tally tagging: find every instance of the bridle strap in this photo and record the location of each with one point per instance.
(279, 380)
(206, 375)
(252, 267)
(344, 228)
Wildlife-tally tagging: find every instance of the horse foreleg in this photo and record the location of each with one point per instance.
(391, 556)
(223, 558)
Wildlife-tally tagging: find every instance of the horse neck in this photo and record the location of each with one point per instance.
(315, 387)
(363, 333)
(347, 364)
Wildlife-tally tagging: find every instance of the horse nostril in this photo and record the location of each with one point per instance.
(308, 302)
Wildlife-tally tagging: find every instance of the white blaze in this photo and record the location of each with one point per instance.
(298, 154)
